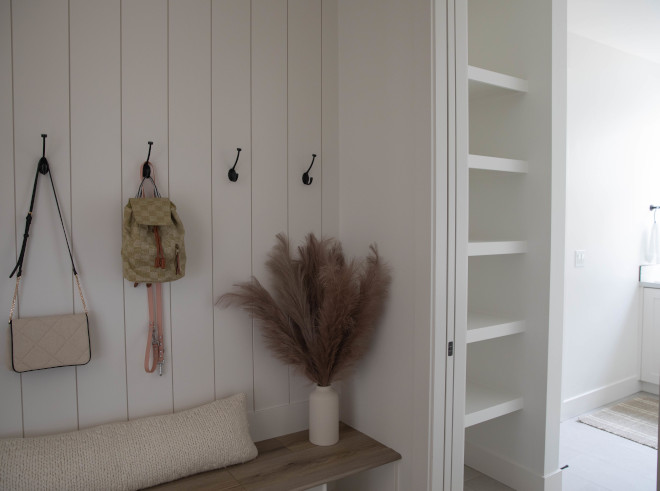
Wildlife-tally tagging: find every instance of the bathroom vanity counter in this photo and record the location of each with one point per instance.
(649, 275)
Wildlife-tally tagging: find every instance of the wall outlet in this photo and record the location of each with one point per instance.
(580, 256)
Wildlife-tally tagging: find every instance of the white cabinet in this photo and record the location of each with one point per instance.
(651, 336)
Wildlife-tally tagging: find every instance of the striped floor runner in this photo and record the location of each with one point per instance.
(635, 418)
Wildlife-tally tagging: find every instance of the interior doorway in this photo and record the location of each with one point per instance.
(612, 176)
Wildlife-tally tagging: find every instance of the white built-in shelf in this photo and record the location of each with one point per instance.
(482, 248)
(486, 82)
(485, 162)
(486, 403)
(485, 326)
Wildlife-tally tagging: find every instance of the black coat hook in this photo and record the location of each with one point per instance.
(305, 178)
(146, 168)
(232, 174)
(43, 163)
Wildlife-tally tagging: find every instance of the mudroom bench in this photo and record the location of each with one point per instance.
(291, 463)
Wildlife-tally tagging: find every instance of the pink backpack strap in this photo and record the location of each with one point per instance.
(155, 342)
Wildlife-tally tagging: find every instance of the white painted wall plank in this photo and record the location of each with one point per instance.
(330, 119)
(96, 203)
(269, 173)
(144, 118)
(304, 137)
(41, 104)
(190, 189)
(232, 205)
(11, 423)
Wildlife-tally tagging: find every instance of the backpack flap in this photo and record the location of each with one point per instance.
(152, 211)
(153, 248)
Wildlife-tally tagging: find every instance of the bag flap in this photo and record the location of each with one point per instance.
(151, 211)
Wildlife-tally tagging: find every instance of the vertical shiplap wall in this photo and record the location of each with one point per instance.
(95, 198)
(200, 79)
(232, 215)
(41, 105)
(269, 171)
(144, 111)
(304, 135)
(190, 182)
(11, 422)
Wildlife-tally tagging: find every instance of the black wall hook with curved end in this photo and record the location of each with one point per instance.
(305, 178)
(232, 174)
(146, 169)
(43, 166)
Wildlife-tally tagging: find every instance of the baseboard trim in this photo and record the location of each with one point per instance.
(650, 388)
(601, 396)
(508, 472)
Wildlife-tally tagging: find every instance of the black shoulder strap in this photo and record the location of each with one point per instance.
(42, 168)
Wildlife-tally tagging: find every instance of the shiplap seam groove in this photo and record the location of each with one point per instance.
(213, 311)
(121, 183)
(13, 126)
(73, 298)
(254, 405)
(169, 154)
(288, 155)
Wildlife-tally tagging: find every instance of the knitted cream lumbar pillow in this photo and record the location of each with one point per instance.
(131, 455)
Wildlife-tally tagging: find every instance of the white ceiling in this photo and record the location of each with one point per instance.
(629, 25)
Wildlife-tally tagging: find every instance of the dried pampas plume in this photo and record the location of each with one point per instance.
(322, 311)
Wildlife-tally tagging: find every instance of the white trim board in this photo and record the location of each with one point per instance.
(508, 472)
(651, 388)
(601, 396)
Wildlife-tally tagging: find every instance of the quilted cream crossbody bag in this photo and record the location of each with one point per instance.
(53, 340)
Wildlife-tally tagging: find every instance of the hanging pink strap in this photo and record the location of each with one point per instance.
(155, 345)
(155, 335)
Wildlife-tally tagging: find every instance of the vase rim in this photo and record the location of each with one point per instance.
(323, 387)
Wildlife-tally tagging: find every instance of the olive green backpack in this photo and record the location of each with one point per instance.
(153, 249)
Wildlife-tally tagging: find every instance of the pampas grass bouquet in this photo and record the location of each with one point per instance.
(321, 310)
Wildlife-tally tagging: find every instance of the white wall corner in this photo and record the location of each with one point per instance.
(557, 232)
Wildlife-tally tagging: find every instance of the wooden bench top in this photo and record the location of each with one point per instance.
(291, 463)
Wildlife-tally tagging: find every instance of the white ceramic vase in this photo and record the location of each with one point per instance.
(324, 416)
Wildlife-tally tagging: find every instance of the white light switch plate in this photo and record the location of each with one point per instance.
(580, 256)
